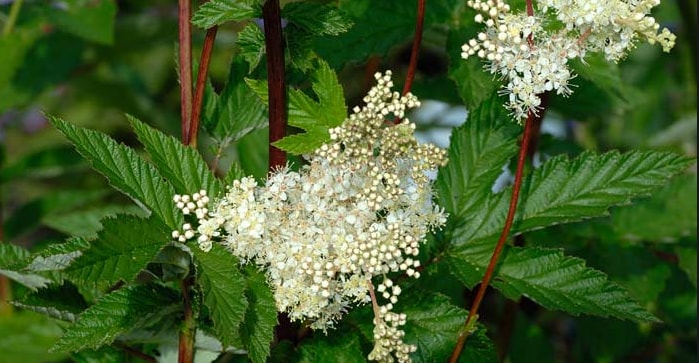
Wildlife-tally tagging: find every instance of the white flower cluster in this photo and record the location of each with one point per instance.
(359, 209)
(533, 59)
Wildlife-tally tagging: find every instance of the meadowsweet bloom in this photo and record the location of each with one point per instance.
(357, 211)
(532, 59)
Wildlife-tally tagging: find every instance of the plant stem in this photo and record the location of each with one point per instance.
(276, 84)
(185, 65)
(185, 351)
(202, 74)
(12, 17)
(415, 51)
(528, 127)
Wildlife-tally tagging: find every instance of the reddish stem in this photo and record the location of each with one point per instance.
(528, 128)
(276, 84)
(136, 353)
(185, 348)
(202, 74)
(185, 63)
(415, 51)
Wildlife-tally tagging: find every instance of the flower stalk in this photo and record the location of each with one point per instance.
(276, 83)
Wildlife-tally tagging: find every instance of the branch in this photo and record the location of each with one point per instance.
(415, 51)
(185, 63)
(202, 74)
(276, 84)
(185, 349)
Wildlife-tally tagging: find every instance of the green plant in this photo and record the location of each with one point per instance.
(307, 258)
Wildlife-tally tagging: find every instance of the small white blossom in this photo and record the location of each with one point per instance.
(358, 210)
(533, 60)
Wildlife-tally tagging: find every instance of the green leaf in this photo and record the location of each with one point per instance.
(315, 117)
(253, 153)
(62, 302)
(317, 19)
(565, 191)
(91, 20)
(58, 256)
(12, 260)
(123, 248)
(119, 312)
(667, 216)
(477, 148)
(12, 256)
(550, 279)
(257, 330)
(238, 110)
(125, 170)
(217, 12)
(687, 260)
(235, 172)
(433, 325)
(13, 49)
(393, 20)
(86, 223)
(343, 348)
(181, 165)
(223, 287)
(304, 143)
(251, 41)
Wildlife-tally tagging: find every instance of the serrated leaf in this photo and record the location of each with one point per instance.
(217, 12)
(476, 148)
(86, 223)
(12, 256)
(550, 279)
(12, 260)
(257, 330)
(564, 191)
(181, 165)
(433, 325)
(62, 302)
(343, 348)
(58, 256)
(251, 41)
(122, 249)
(235, 172)
(238, 111)
(317, 19)
(29, 280)
(667, 216)
(125, 170)
(223, 287)
(304, 143)
(116, 313)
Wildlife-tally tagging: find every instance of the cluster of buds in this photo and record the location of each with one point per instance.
(357, 211)
(532, 59)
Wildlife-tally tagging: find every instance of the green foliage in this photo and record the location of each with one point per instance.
(550, 279)
(236, 111)
(180, 165)
(315, 117)
(257, 330)
(117, 313)
(105, 272)
(122, 249)
(223, 290)
(125, 170)
(217, 12)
